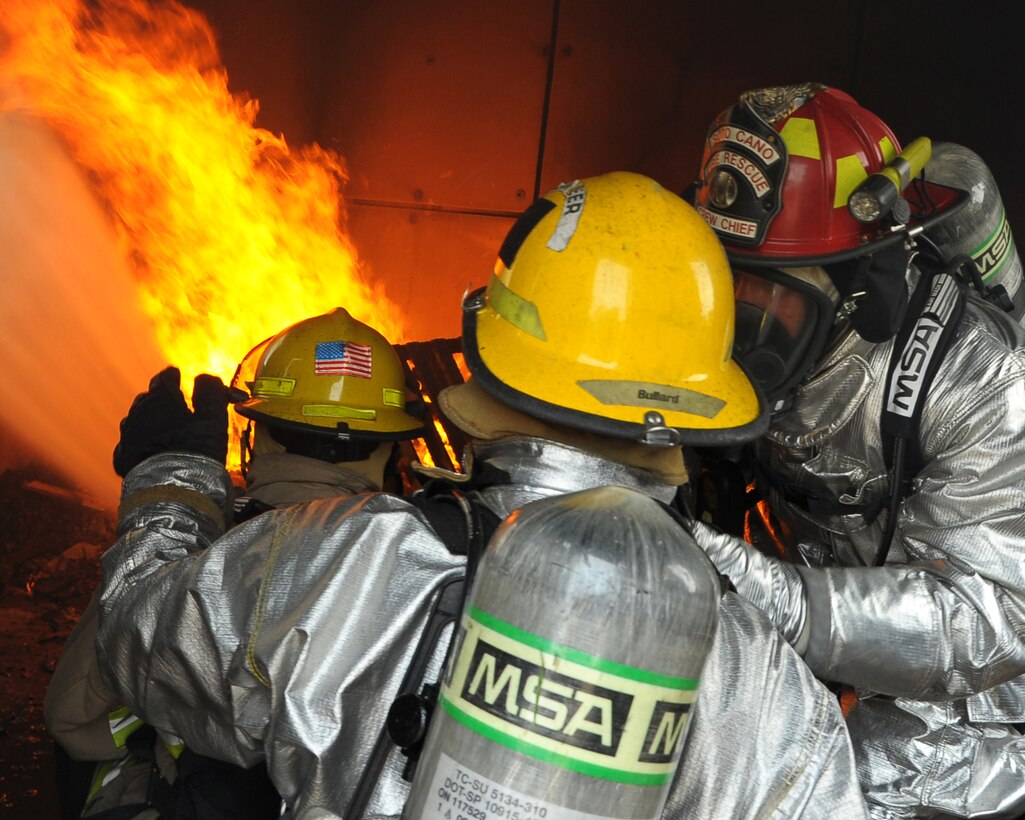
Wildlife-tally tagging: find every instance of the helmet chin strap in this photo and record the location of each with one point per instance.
(245, 449)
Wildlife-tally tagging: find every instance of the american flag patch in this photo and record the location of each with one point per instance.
(343, 359)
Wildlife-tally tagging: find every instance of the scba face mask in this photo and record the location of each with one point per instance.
(785, 318)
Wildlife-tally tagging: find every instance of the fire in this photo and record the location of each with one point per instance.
(230, 234)
(770, 525)
(425, 456)
(460, 361)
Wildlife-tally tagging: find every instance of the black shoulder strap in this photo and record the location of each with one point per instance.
(449, 515)
(918, 350)
(936, 308)
(461, 520)
(465, 525)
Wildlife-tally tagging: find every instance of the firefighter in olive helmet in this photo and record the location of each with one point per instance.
(327, 405)
(311, 637)
(894, 464)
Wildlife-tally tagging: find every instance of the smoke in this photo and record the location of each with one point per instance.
(75, 346)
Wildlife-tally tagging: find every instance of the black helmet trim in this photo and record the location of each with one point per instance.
(342, 431)
(654, 432)
(521, 229)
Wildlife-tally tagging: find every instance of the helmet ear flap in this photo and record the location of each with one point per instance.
(245, 444)
(416, 405)
(882, 279)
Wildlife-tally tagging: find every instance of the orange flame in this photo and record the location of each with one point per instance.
(769, 525)
(231, 235)
(442, 434)
(460, 361)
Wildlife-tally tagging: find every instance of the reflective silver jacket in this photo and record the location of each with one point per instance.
(941, 626)
(286, 640)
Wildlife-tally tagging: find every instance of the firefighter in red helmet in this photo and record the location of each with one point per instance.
(894, 464)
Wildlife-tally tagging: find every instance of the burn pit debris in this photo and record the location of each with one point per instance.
(50, 544)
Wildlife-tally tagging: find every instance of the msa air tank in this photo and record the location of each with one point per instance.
(980, 230)
(578, 658)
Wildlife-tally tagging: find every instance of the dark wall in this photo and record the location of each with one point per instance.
(453, 115)
(949, 71)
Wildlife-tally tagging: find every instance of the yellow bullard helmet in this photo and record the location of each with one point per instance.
(611, 310)
(334, 376)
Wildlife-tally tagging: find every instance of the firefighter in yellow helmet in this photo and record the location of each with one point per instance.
(323, 660)
(545, 335)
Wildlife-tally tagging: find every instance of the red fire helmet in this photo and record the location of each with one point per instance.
(779, 167)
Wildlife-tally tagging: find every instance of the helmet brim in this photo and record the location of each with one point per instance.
(255, 409)
(568, 416)
(956, 199)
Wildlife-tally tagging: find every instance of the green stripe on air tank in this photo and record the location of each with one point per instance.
(576, 656)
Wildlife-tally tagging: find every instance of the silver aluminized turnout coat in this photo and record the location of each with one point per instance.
(938, 633)
(286, 639)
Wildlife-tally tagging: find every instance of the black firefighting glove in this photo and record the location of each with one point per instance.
(159, 421)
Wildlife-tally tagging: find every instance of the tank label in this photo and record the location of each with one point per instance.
(565, 707)
(459, 793)
(997, 251)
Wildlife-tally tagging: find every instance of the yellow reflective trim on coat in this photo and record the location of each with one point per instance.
(122, 724)
(104, 773)
(175, 749)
